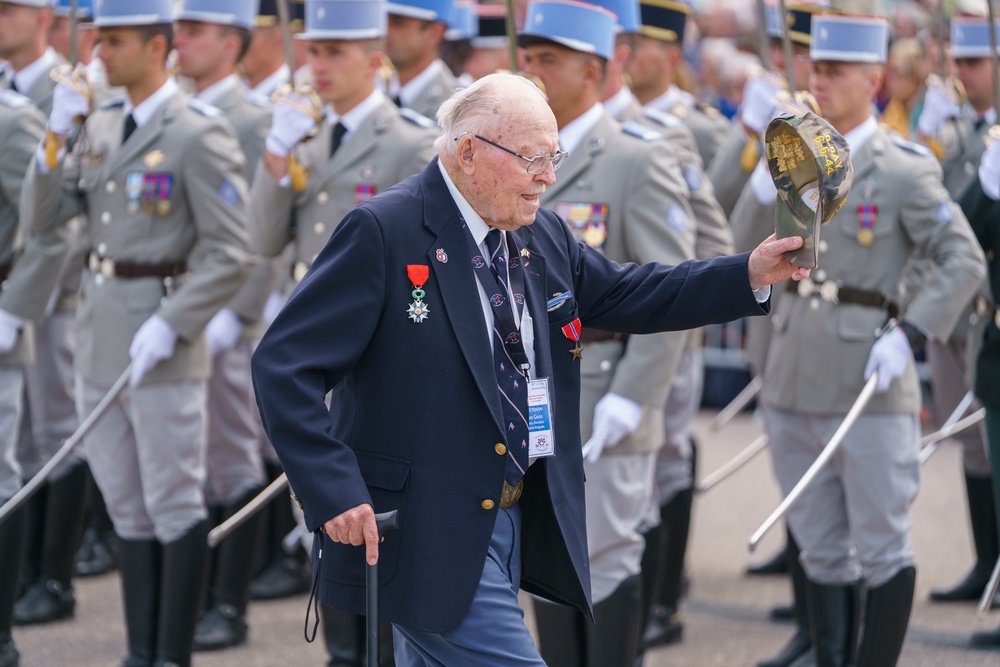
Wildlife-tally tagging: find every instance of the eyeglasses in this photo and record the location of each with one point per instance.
(536, 165)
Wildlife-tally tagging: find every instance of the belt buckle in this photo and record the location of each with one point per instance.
(511, 494)
(982, 306)
(299, 271)
(830, 291)
(805, 288)
(107, 267)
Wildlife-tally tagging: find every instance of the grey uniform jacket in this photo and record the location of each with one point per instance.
(818, 349)
(709, 127)
(623, 193)
(389, 146)
(727, 172)
(963, 168)
(434, 94)
(187, 161)
(21, 129)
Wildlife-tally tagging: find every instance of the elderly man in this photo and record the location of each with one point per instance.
(435, 314)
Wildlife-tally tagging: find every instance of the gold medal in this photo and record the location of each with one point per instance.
(163, 207)
(866, 237)
(147, 207)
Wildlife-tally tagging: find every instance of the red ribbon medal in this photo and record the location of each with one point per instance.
(418, 274)
(572, 332)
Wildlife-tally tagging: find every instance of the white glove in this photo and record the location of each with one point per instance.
(758, 101)
(10, 329)
(989, 170)
(614, 418)
(223, 331)
(153, 342)
(274, 304)
(890, 356)
(68, 104)
(940, 104)
(289, 125)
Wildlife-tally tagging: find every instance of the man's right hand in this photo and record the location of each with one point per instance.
(69, 103)
(290, 124)
(356, 526)
(941, 103)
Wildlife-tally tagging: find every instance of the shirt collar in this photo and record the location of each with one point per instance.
(271, 83)
(149, 106)
(857, 137)
(617, 103)
(473, 221)
(26, 77)
(353, 119)
(573, 133)
(217, 90)
(670, 99)
(411, 91)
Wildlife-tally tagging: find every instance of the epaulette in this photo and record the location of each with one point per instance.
(663, 118)
(416, 118)
(709, 110)
(910, 146)
(14, 99)
(204, 108)
(113, 103)
(679, 110)
(640, 131)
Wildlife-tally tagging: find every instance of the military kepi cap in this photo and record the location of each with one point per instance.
(850, 39)
(970, 37)
(32, 3)
(663, 19)
(238, 13)
(84, 8)
(344, 19)
(267, 13)
(627, 12)
(462, 24)
(491, 29)
(798, 21)
(576, 25)
(427, 10)
(125, 13)
(810, 164)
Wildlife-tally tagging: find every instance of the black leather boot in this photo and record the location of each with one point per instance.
(666, 624)
(613, 638)
(560, 634)
(801, 641)
(98, 552)
(982, 515)
(887, 615)
(34, 530)
(11, 546)
(833, 616)
(224, 622)
(652, 581)
(776, 564)
(140, 565)
(50, 597)
(182, 579)
(984, 639)
(285, 573)
(344, 635)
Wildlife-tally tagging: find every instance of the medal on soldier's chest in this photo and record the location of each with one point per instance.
(867, 216)
(572, 332)
(418, 274)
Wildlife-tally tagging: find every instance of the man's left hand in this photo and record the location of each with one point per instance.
(614, 418)
(768, 265)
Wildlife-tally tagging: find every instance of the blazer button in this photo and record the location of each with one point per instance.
(500, 448)
(488, 504)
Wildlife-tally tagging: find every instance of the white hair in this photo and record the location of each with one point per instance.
(476, 108)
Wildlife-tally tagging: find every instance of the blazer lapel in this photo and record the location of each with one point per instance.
(457, 282)
(143, 136)
(533, 264)
(361, 141)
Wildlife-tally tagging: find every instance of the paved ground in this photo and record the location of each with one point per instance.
(727, 611)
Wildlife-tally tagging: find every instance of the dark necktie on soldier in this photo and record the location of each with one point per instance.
(397, 100)
(338, 136)
(13, 85)
(129, 127)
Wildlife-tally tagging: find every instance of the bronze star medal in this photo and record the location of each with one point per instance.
(572, 332)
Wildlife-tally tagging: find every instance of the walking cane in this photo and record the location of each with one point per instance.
(384, 522)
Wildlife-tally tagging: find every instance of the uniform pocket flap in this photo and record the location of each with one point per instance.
(383, 472)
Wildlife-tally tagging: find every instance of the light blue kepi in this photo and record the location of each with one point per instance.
(426, 10)
(849, 39)
(344, 19)
(238, 13)
(84, 8)
(576, 25)
(125, 13)
(626, 11)
(970, 37)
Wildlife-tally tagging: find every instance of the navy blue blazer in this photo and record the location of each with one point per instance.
(415, 413)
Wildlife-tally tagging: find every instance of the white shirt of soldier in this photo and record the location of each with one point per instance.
(25, 78)
(353, 119)
(672, 98)
(267, 87)
(145, 110)
(618, 102)
(412, 90)
(212, 94)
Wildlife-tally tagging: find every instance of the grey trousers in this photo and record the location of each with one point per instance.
(147, 455)
(853, 521)
(11, 400)
(950, 376)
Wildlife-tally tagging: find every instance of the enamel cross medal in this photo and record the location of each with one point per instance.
(417, 273)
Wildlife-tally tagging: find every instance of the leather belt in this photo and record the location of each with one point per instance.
(511, 494)
(111, 268)
(5, 269)
(835, 293)
(598, 336)
(987, 309)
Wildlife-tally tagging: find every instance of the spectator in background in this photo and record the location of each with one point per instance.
(904, 87)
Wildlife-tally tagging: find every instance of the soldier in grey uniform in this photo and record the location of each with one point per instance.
(264, 66)
(950, 359)
(666, 527)
(658, 50)
(621, 191)
(416, 30)
(55, 515)
(21, 129)
(853, 521)
(162, 179)
(210, 38)
(363, 145)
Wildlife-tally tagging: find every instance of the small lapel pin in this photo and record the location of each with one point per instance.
(441, 255)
